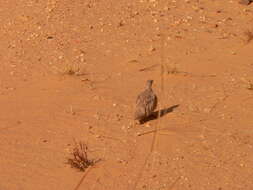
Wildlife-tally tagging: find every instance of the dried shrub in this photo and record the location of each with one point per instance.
(80, 159)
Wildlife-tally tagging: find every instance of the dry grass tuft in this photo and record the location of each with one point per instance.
(80, 159)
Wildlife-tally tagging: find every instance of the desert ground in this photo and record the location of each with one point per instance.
(71, 71)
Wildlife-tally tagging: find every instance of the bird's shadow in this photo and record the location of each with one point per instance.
(159, 113)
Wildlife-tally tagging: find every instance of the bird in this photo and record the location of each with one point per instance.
(146, 103)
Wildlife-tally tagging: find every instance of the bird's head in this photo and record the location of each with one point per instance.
(149, 84)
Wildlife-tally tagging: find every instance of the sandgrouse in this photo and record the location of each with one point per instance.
(146, 103)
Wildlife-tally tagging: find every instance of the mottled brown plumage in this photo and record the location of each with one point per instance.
(146, 103)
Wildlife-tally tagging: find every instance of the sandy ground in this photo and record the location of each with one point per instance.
(72, 70)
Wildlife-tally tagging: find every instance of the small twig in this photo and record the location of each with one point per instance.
(148, 68)
(197, 75)
(84, 175)
(184, 73)
(152, 131)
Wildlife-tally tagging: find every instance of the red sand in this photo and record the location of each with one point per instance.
(208, 139)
